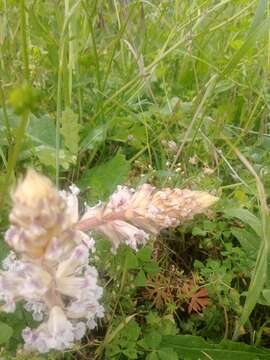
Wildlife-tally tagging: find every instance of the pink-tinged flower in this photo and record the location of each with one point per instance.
(51, 270)
(39, 215)
(49, 267)
(119, 231)
(57, 333)
(130, 216)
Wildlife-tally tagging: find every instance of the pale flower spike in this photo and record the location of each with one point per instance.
(130, 216)
(49, 265)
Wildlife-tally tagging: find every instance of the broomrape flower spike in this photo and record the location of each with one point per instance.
(48, 267)
(130, 216)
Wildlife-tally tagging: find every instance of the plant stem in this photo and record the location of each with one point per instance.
(24, 43)
(5, 114)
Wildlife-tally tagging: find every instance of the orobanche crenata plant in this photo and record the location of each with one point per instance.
(48, 268)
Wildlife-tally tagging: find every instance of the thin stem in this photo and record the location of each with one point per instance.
(24, 43)
(20, 131)
(5, 114)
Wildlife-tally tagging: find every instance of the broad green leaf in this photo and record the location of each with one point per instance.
(130, 353)
(249, 241)
(129, 130)
(46, 156)
(144, 254)
(152, 356)
(266, 297)
(103, 179)
(247, 217)
(95, 137)
(191, 347)
(140, 279)
(70, 130)
(42, 130)
(131, 261)
(5, 333)
(151, 340)
(151, 267)
(167, 354)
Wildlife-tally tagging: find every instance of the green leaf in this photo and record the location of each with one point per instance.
(140, 279)
(42, 130)
(70, 130)
(5, 333)
(167, 354)
(130, 353)
(259, 31)
(256, 285)
(259, 15)
(103, 179)
(151, 267)
(249, 241)
(266, 297)
(152, 340)
(128, 130)
(144, 254)
(131, 261)
(95, 137)
(195, 347)
(247, 217)
(46, 156)
(152, 356)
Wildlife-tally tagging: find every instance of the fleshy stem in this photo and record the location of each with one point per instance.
(94, 221)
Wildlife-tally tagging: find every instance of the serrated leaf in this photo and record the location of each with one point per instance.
(103, 179)
(195, 347)
(70, 130)
(5, 333)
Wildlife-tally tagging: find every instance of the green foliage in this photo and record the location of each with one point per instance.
(70, 130)
(5, 333)
(195, 348)
(134, 340)
(103, 179)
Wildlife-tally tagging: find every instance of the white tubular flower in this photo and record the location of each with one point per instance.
(28, 281)
(57, 333)
(122, 232)
(50, 270)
